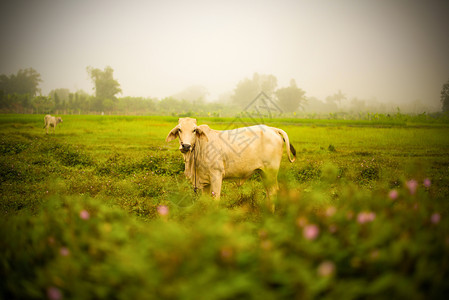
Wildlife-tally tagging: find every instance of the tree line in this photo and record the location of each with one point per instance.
(20, 93)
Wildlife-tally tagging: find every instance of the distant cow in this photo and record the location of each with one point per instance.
(212, 155)
(50, 121)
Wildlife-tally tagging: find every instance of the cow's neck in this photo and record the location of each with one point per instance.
(189, 165)
(193, 165)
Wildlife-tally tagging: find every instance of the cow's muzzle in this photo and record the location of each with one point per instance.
(185, 148)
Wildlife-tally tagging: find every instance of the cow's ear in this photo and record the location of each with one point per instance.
(201, 132)
(173, 134)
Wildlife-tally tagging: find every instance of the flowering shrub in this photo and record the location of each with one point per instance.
(372, 245)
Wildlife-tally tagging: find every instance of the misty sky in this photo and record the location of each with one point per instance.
(384, 49)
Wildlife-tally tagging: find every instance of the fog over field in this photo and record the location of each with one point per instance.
(387, 51)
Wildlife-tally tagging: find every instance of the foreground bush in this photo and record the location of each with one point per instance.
(383, 244)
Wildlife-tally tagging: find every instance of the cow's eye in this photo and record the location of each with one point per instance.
(194, 131)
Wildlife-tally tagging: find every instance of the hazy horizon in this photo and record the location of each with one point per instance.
(392, 51)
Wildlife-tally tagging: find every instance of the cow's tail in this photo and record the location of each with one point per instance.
(290, 149)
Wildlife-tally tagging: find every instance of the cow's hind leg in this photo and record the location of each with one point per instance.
(270, 181)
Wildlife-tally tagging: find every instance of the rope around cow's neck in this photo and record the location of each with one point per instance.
(195, 188)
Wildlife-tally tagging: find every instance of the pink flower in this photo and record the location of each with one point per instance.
(53, 293)
(412, 185)
(393, 194)
(162, 210)
(326, 268)
(427, 183)
(365, 217)
(84, 214)
(311, 232)
(64, 251)
(435, 218)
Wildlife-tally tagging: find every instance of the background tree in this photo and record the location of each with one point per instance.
(248, 89)
(358, 105)
(62, 94)
(82, 101)
(194, 93)
(445, 96)
(337, 97)
(290, 98)
(266, 83)
(24, 82)
(60, 97)
(106, 87)
(43, 105)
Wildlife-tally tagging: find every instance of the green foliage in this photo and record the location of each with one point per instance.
(247, 89)
(8, 172)
(26, 81)
(445, 96)
(163, 164)
(369, 170)
(337, 97)
(11, 147)
(160, 164)
(366, 246)
(290, 98)
(106, 87)
(310, 171)
(71, 156)
(104, 211)
(115, 165)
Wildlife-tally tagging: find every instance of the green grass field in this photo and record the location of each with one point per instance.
(101, 209)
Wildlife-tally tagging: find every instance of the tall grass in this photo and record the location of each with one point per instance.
(102, 209)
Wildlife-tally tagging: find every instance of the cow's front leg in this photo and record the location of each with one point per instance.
(215, 184)
(206, 190)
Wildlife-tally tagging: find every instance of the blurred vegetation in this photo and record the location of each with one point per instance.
(20, 93)
(102, 210)
(445, 96)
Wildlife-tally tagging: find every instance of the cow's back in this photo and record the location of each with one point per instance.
(248, 149)
(47, 119)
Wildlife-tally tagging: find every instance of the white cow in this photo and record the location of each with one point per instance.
(50, 121)
(212, 155)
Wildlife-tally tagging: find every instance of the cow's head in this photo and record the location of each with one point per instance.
(188, 133)
(58, 120)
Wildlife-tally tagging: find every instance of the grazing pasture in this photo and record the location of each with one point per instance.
(101, 209)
